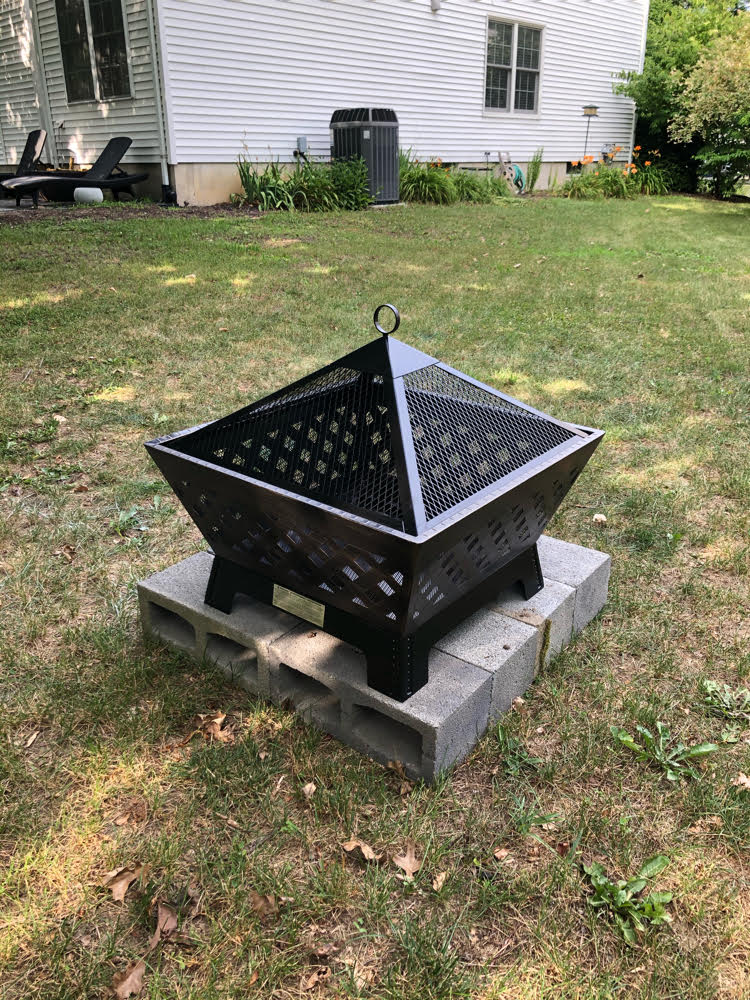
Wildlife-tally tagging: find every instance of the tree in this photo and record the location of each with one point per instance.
(714, 109)
(679, 32)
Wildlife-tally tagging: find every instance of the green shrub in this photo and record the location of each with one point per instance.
(313, 187)
(265, 189)
(351, 184)
(427, 182)
(470, 187)
(534, 169)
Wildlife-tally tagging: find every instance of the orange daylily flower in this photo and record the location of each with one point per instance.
(636, 148)
(574, 163)
(647, 163)
(618, 148)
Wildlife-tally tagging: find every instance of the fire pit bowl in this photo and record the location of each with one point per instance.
(383, 498)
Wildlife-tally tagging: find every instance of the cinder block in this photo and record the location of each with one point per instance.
(550, 612)
(475, 672)
(585, 570)
(436, 727)
(504, 647)
(173, 610)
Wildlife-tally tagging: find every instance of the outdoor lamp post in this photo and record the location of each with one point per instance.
(589, 111)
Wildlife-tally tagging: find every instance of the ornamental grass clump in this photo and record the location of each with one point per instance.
(312, 187)
(433, 182)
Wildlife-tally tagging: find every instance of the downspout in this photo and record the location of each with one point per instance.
(168, 195)
(40, 81)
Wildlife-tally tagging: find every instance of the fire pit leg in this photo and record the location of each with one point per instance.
(226, 580)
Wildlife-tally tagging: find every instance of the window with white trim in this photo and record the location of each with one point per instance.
(513, 67)
(93, 44)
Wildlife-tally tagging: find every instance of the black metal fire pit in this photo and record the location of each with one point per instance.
(383, 498)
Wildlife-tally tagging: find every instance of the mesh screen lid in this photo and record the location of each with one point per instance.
(387, 433)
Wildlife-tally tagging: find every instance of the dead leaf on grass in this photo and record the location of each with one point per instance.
(166, 924)
(501, 853)
(264, 905)
(408, 861)
(706, 823)
(253, 977)
(119, 880)
(59, 418)
(130, 982)
(518, 704)
(32, 739)
(67, 552)
(81, 488)
(309, 790)
(359, 849)
(325, 949)
(134, 812)
(439, 881)
(315, 978)
(742, 781)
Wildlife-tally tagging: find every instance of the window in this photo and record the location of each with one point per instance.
(513, 67)
(95, 27)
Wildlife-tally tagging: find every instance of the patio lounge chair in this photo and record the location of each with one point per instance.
(105, 173)
(29, 158)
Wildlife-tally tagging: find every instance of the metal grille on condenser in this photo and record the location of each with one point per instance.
(467, 439)
(329, 438)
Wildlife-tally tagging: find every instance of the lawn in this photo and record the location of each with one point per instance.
(629, 316)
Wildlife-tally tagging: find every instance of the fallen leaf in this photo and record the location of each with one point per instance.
(166, 924)
(130, 982)
(742, 781)
(59, 418)
(263, 905)
(31, 740)
(309, 790)
(224, 329)
(408, 861)
(501, 853)
(325, 949)
(518, 704)
(398, 767)
(316, 977)
(119, 880)
(210, 727)
(253, 977)
(262, 755)
(360, 850)
(706, 823)
(134, 812)
(67, 552)
(81, 488)
(516, 265)
(599, 518)
(563, 848)
(439, 881)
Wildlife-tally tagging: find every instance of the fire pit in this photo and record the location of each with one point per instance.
(383, 498)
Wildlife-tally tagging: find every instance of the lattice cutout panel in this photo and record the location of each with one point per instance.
(329, 438)
(507, 533)
(466, 438)
(342, 573)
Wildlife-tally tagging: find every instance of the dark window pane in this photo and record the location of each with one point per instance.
(526, 90)
(499, 43)
(74, 47)
(110, 49)
(529, 43)
(496, 90)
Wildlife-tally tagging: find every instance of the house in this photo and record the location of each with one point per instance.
(197, 83)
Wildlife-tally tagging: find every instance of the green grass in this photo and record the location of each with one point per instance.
(631, 316)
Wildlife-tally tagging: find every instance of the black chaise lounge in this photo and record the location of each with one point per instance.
(105, 173)
(32, 151)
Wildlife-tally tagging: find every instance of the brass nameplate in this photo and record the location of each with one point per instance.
(298, 605)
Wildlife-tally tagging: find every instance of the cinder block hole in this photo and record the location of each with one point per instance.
(171, 627)
(309, 696)
(232, 655)
(392, 739)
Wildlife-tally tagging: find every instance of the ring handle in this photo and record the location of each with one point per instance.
(396, 313)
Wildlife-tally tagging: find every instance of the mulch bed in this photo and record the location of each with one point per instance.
(109, 211)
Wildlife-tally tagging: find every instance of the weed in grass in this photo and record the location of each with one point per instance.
(516, 758)
(623, 900)
(725, 702)
(662, 751)
(525, 815)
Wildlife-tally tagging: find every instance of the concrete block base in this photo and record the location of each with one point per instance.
(476, 671)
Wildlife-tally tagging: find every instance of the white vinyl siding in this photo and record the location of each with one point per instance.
(89, 125)
(19, 105)
(251, 75)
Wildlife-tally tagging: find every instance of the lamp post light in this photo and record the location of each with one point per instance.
(589, 111)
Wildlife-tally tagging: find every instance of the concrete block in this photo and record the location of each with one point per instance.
(550, 612)
(173, 611)
(475, 671)
(504, 647)
(436, 727)
(585, 570)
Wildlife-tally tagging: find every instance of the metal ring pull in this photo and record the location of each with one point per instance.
(397, 316)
